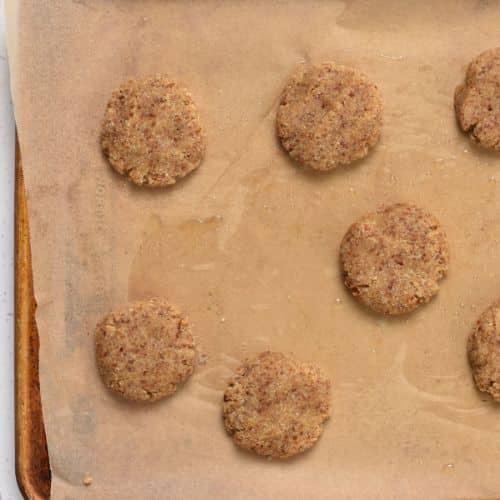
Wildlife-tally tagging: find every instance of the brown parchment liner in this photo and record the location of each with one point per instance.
(248, 244)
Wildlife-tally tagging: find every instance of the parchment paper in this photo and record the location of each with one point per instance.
(248, 245)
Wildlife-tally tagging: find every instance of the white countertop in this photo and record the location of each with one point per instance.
(8, 485)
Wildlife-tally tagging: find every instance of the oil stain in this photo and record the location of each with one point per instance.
(175, 256)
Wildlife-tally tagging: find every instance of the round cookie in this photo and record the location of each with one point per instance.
(151, 132)
(477, 102)
(275, 406)
(483, 349)
(329, 115)
(145, 350)
(394, 258)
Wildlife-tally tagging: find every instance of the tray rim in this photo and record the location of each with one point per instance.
(33, 472)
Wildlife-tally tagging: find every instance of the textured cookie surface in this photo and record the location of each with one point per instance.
(151, 132)
(477, 102)
(483, 349)
(145, 350)
(276, 406)
(394, 258)
(329, 115)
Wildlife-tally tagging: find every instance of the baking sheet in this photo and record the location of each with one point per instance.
(248, 244)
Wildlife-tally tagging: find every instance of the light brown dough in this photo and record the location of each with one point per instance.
(329, 115)
(394, 258)
(276, 406)
(151, 132)
(145, 350)
(477, 102)
(483, 349)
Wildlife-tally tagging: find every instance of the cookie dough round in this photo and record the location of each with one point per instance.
(151, 132)
(145, 350)
(329, 115)
(276, 406)
(394, 258)
(477, 102)
(483, 349)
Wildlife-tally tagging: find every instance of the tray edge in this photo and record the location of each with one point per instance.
(32, 460)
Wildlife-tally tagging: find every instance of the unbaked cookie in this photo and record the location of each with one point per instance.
(477, 102)
(151, 132)
(483, 348)
(329, 115)
(145, 350)
(276, 406)
(394, 258)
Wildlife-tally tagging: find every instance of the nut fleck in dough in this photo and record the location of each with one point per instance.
(484, 351)
(394, 258)
(151, 132)
(477, 103)
(276, 405)
(145, 350)
(329, 115)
